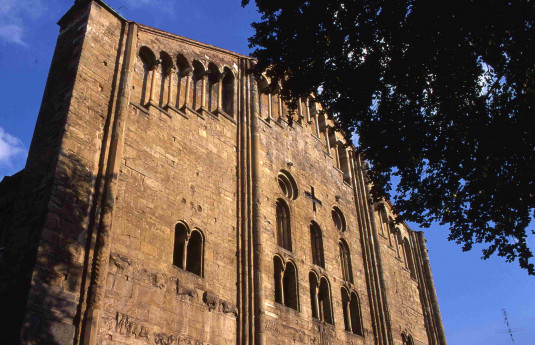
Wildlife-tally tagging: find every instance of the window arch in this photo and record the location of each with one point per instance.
(409, 262)
(316, 244)
(198, 84)
(345, 261)
(188, 252)
(149, 61)
(184, 74)
(287, 184)
(214, 77)
(286, 285)
(338, 219)
(228, 91)
(284, 233)
(352, 312)
(344, 161)
(320, 298)
(324, 298)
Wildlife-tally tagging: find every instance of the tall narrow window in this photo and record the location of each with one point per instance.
(409, 263)
(324, 298)
(194, 260)
(149, 65)
(316, 243)
(184, 81)
(228, 92)
(352, 313)
(284, 234)
(179, 252)
(198, 85)
(345, 261)
(356, 318)
(289, 282)
(165, 79)
(278, 274)
(344, 161)
(213, 87)
(314, 303)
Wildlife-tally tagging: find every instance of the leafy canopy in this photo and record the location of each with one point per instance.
(441, 95)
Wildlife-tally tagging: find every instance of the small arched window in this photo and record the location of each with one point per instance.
(409, 262)
(352, 312)
(166, 79)
(214, 76)
(345, 261)
(338, 219)
(344, 161)
(407, 339)
(316, 243)
(188, 250)
(325, 304)
(284, 233)
(314, 303)
(183, 89)
(148, 58)
(286, 289)
(179, 252)
(228, 92)
(287, 184)
(198, 84)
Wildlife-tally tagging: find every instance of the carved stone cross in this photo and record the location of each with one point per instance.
(312, 197)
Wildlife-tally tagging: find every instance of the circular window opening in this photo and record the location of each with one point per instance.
(338, 219)
(287, 185)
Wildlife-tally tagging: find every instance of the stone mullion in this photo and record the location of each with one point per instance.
(220, 93)
(170, 74)
(348, 313)
(270, 106)
(187, 89)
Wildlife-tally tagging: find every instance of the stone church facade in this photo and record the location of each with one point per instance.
(169, 199)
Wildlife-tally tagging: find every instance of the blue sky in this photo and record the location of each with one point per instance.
(471, 292)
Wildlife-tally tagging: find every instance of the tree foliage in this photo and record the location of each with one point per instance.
(441, 95)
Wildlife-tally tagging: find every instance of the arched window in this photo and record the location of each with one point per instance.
(287, 184)
(228, 92)
(286, 289)
(320, 298)
(166, 79)
(214, 76)
(194, 260)
(316, 243)
(198, 85)
(188, 252)
(344, 161)
(290, 285)
(407, 253)
(407, 339)
(179, 252)
(324, 299)
(338, 219)
(263, 98)
(184, 74)
(284, 233)
(356, 317)
(314, 303)
(352, 312)
(345, 261)
(149, 64)
(278, 274)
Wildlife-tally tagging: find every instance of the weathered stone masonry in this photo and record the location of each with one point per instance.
(168, 200)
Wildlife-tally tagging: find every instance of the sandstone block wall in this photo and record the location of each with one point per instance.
(141, 130)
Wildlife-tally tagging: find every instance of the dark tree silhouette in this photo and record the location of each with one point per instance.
(441, 95)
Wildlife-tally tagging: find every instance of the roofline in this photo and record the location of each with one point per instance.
(79, 3)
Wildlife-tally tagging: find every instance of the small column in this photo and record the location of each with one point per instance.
(280, 105)
(203, 90)
(270, 105)
(220, 91)
(348, 314)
